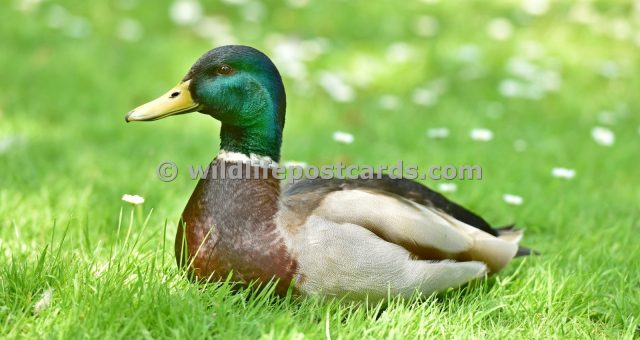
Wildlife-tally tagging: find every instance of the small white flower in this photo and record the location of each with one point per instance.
(343, 137)
(481, 135)
(447, 187)
(621, 29)
(253, 11)
(57, 16)
(500, 29)
(336, 87)
(535, 7)
(603, 136)
(27, 5)
(468, 53)
(510, 88)
(520, 145)
(424, 97)
(606, 117)
(185, 12)
(217, 29)
(400, 52)
(78, 27)
(389, 102)
(44, 302)
(438, 133)
(512, 199)
(609, 69)
(133, 199)
(129, 30)
(7, 142)
(99, 269)
(130, 279)
(426, 26)
(297, 3)
(235, 2)
(563, 173)
(294, 164)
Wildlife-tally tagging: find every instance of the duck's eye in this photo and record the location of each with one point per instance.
(225, 70)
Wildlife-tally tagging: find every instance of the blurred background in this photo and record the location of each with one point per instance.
(542, 94)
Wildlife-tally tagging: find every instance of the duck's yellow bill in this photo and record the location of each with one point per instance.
(177, 101)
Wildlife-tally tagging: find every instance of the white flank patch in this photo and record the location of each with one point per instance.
(481, 135)
(44, 302)
(447, 187)
(500, 29)
(512, 199)
(563, 173)
(603, 136)
(133, 199)
(343, 137)
(185, 12)
(438, 133)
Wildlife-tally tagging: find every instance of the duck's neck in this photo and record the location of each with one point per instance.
(263, 138)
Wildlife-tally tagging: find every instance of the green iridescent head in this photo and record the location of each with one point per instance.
(239, 86)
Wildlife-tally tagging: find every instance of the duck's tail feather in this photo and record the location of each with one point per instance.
(512, 234)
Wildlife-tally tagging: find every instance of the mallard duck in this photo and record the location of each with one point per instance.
(333, 237)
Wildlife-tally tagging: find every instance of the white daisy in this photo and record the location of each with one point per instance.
(438, 133)
(133, 199)
(481, 135)
(129, 30)
(535, 7)
(447, 187)
(44, 302)
(343, 137)
(185, 12)
(520, 145)
(389, 102)
(563, 173)
(336, 87)
(603, 136)
(426, 26)
(500, 29)
(512, 199)
(424, 97)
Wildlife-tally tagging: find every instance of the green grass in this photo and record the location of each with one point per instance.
(68, 157)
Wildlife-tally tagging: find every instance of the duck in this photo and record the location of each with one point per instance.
(360, 238)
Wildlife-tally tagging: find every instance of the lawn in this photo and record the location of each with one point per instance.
(555, 85)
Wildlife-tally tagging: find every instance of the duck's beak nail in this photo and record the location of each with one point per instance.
(177, 101)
